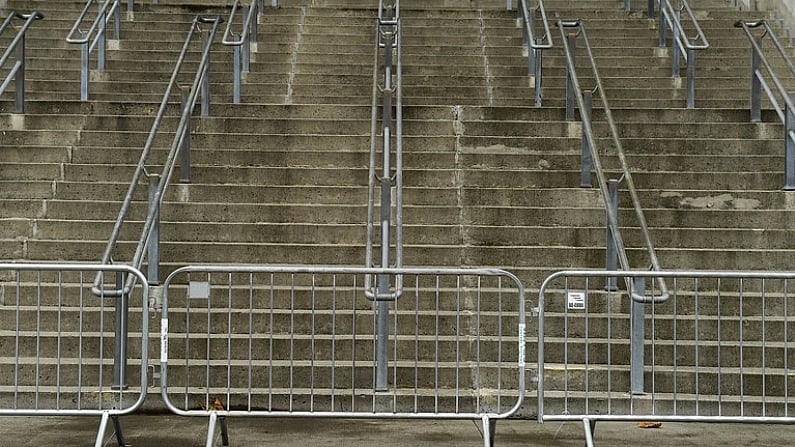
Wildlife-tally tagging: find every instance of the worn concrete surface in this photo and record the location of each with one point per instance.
(173, 431)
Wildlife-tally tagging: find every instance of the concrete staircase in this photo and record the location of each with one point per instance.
(490, 180)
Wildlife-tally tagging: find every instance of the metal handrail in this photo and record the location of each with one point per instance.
(182, 135)
(242, 42)
(758, 82)
(388, 37)
(626, 176)
(110, 8)
(17, 47)
(682, 44)
(535, 45)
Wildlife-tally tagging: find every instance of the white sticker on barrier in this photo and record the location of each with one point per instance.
(576, 300)
(163, 340)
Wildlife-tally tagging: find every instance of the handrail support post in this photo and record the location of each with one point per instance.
(756, 84)
(691, 78)
(570, 93)
(585, 151)
(611, 255)
(637, 341)
(101, 42)
(236, 72)
(661, 26)
(675, 50)
(184, 150)
(19, 102)
(205, 83)
(120, 335)
(84, 54)
(789, 149)
(154, 239)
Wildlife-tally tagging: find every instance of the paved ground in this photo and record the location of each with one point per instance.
(171, 431)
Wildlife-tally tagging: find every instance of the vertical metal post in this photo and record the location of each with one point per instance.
(611, 256)
(19, 103)
(675, 52)
(585, 149)
(637, 340)
(382, 345)
(531, 53)
(84, 67)
(117, 22)
(205, 84)
(691, 78)
(661, 41)
(246, 56)
(570, 93)
(236, 71)
(154, 239)
(538, 75)
(789, 149)
(101, 42)
(120, 335)
(184, 150)
(756, 84)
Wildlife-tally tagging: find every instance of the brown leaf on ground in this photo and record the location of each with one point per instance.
(649, 424)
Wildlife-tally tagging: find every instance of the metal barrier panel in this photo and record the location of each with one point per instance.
(301, 341)
(720, 349)
(61, 356)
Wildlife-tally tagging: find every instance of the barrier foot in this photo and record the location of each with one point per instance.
(489, 429)
(119, 432)
(590, 427)
(103, 427)
(214, 418)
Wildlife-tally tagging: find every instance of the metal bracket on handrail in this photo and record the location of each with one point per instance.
(682, 45)
(17, 47)
(761, 69)
(109, 10)
(534, 44)
(612, 215)
(147, 242)
(242, 42)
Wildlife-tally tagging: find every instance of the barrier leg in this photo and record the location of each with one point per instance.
(119, 432)
(489, 429)
(589, 427)
(103, 427)
(214, 418)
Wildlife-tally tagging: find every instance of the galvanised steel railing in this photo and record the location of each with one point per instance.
(17, 49)
(591, 154)
(682, 46)
(718, 351)
(243, 41)
(179, 151)
(94, 38)
(762, 75)
(388, 138)
(616, 250)
(535, 45)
